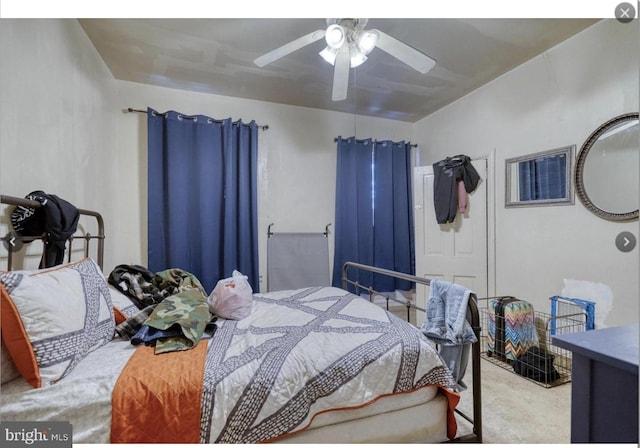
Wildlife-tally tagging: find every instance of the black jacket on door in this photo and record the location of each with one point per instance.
(446, 174)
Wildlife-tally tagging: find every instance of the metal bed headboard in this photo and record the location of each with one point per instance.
(473, 315)
(10, 200)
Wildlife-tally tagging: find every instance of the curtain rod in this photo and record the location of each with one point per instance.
(140, 111)
(413, 145)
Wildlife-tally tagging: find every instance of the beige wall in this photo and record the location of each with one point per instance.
(57, 117)
(553, 100)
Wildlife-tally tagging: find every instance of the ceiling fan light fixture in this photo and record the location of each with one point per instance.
(329, 55)
(356, 55)
(348, 45)
(335, 36)
(366, 40)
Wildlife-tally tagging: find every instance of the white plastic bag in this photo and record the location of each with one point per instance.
(232, 297)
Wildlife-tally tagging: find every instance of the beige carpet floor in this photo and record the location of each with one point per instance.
(516, 410)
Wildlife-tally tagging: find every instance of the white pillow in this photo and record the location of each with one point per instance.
(51, 318)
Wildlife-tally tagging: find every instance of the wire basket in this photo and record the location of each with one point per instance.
(537, 359)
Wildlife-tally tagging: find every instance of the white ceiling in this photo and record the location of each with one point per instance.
(216, 56)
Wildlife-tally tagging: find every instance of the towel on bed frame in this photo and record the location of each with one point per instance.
(447, 324)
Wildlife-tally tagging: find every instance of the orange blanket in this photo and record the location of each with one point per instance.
(453, 399)
(171, 384)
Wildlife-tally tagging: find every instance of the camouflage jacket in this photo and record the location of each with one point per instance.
(181, 318)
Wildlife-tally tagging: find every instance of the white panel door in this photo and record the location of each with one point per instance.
(455, 252)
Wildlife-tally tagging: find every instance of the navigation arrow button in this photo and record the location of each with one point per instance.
(12, 242)
(626, 241)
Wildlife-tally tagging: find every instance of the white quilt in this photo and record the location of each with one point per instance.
(305, 352)
(298, 355)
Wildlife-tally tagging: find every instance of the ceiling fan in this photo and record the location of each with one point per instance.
(348, 45)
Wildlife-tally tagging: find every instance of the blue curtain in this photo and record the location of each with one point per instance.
(374, 216)
(354, 209)
(393, 233)
(202, 179)
(543, 178)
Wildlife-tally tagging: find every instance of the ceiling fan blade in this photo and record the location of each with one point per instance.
(407, 54)
(286, 49)
(341, 74)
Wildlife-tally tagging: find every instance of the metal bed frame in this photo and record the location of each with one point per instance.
(10, 239)
(473, 316)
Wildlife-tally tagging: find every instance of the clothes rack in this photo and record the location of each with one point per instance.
(297, 259)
